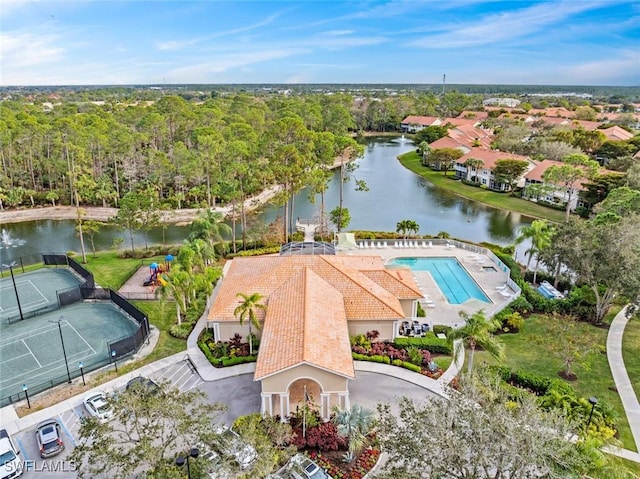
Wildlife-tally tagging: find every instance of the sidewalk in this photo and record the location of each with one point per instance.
(623, 383)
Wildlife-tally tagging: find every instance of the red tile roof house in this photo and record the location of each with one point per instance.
(415, 123)
(483, 173)
(312, 305)
(549, 194)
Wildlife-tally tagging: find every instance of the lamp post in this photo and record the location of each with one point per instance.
(64, 351)
(180, 460)
(81, 366)
(593, 401)
(115, 359)
(15, 288)
(26, 393)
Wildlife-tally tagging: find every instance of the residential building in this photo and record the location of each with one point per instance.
(415, 123)
(482, 173)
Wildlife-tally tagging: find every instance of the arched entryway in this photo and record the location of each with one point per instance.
(299, 387)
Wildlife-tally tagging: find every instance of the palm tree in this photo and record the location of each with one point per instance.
(210, 226)
(407, 226)
(473, 163)
(477, 332)
(247, 309)
(540, 233)
(354, 424)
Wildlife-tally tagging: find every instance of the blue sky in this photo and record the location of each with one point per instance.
(585, 42)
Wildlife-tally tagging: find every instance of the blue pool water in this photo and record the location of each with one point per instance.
(450, 276)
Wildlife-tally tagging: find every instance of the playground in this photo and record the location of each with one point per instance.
(144, 282)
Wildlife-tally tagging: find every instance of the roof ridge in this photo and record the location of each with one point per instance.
(347, 271)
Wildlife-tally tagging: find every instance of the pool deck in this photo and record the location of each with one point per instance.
(442, 312)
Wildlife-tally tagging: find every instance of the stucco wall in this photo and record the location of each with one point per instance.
(408, 306)
(279, 383)
(229, 328)
(385, 328)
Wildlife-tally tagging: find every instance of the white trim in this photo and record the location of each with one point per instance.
(306, 363)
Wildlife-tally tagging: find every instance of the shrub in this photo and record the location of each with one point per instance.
(441, 329)
(238, 360)
(521, 305)
(429, 342)
(181, 331)
(514, 322)
(409, 366)
(325, 437)
(256, 252)
(207, 352)
(415, 356)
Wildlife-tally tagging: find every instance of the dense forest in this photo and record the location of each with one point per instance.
(194, 149)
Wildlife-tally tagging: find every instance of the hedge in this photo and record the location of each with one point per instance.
(429, 342)
(375, 358)
(237, 360)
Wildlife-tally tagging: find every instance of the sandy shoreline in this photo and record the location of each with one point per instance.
(103, 214)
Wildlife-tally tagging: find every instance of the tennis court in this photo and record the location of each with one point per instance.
(31, 350)
(36, 291)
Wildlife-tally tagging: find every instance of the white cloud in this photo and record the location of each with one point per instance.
(205, 71)
(21, 49)
(505, 26)
(176, 44)
(337, 33)
(606, 71)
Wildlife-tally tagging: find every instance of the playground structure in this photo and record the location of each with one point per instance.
(157, 275)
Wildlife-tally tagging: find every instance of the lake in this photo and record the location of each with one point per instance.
(395, 194)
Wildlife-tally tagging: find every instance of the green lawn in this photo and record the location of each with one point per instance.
(526, 351)
(111, 271)
(630, 342)
(413, 162)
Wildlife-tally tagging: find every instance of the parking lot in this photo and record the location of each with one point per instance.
(241, 395)
(180, 375)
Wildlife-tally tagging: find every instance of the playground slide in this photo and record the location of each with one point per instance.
(161, 280)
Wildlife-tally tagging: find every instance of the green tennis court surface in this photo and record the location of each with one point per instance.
(31, 350)
(36, 290)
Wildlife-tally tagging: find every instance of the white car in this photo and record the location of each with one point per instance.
(233, 445)
(10, 463)
(97, 406)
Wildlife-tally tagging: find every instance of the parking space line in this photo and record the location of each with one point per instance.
(66, 431)
(23, 449)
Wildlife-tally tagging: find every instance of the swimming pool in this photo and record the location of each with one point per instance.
(450, 276)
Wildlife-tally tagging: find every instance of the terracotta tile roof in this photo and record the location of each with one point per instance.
(363, 297)
(587, 125)
(306, 323)
(397, 281)
(490, 157)
(617, 133)
(421, 120)
(448, 142)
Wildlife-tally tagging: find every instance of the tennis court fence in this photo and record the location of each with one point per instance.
(87, 290)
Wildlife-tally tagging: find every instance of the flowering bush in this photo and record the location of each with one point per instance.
(356, 469)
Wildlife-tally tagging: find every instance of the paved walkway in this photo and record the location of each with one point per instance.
(623, 383)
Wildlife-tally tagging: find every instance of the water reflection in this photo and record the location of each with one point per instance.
(395, 193)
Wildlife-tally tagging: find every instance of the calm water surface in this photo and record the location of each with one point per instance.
(394, 194)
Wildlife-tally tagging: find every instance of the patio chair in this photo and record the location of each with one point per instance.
(417, 329)
(405, 329)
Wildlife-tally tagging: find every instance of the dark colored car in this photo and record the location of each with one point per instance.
(143, 385)
(49, 438)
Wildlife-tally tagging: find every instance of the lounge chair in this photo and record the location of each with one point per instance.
(504, 287)
(505, 293)
(384, 244)
(430, 244)
(424, 244)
